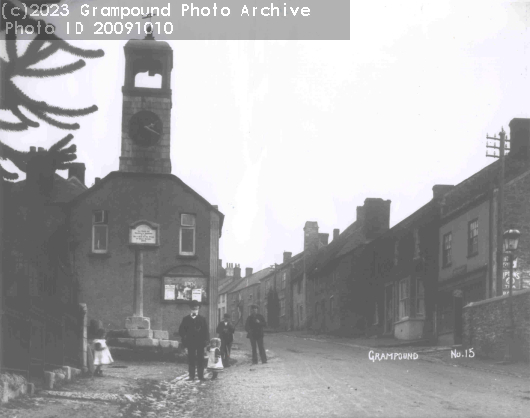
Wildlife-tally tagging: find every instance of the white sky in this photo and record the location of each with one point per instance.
(281, 132)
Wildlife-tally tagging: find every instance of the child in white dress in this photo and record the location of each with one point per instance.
(101, 352)
(215, 363)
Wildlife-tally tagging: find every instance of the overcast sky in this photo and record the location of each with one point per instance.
(281, 132)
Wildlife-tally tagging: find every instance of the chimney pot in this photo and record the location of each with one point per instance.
(336, 233)
(438, 190)
(77, 170)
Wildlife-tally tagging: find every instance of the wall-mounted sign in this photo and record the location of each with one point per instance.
(144, 233)
(185, 289)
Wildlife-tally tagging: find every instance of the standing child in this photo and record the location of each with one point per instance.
(215, 363)
(101, 352)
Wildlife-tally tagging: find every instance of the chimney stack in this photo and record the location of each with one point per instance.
(323, 239)
(311, 235)
(360, 213)
(248, 271)
(438, 190)
(336, 233)
(519, 138)
(77, 170)
(237, 272)
(97, 180)
(376, 217)
(286, 256)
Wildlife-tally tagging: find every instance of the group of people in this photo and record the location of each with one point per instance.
(195, 338)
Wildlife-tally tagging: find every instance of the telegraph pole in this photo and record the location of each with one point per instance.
(500, 202)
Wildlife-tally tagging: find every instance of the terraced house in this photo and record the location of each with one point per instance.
(469, 234)
(336, 293)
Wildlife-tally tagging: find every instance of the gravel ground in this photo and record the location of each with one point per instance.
(123, 378)
(303, 378)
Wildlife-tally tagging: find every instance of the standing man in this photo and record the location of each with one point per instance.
(254, 327)
(195, 336)
(226, 330)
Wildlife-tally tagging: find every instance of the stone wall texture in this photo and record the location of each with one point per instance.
(485, 326)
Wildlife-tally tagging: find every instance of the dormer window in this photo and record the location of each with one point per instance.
(100, 231)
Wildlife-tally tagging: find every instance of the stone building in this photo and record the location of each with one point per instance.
(334, 304)
(245, 294)
(469, 269)
(143, 223)
(400, 269)
(231, 281)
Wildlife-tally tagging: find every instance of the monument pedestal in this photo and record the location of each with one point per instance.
(138, 333)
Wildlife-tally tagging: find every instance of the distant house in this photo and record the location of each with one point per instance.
(227, 285)
(245, 294)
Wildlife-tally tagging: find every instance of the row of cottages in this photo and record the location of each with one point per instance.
(332, 304)
(247, 292)
(228, 284)
(413, 280)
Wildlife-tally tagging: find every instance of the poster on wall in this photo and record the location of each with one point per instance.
(516, 283)
(169, 292)
(185, 289)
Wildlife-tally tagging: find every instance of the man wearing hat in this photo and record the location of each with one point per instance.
(195, 336)
(254, 327)
(226, 333)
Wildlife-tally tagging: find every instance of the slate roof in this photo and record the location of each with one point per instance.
(230, 285)
(63, 190)
(479, 184)
(114, 174)
(253, 279)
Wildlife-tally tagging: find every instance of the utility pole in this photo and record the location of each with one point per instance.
(500, 202)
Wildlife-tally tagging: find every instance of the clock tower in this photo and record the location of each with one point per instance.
(146, 115)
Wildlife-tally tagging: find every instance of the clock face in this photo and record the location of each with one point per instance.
(145, 128)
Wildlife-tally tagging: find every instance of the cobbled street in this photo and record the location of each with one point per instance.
(304, 377)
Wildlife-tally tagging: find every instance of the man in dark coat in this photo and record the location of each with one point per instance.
(254, 327)
(226, 333)
(195, 336)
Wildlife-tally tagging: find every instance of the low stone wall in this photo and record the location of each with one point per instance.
(485, 326)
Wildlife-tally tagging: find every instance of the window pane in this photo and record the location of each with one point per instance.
(100, 238)
(187, 236)
(187, 220)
